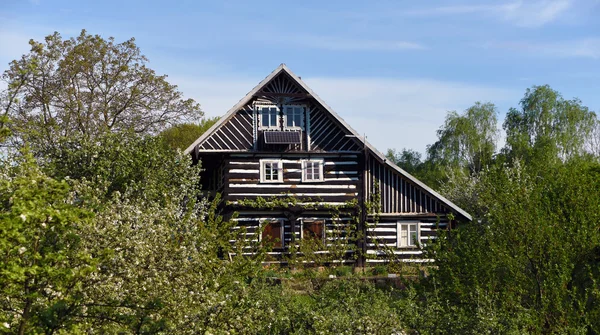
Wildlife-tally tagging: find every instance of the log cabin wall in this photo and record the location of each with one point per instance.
(340, 178)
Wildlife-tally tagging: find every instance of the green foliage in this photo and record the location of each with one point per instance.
(86, 86)
(547, 127)
(467, 140)
(181, 136)
(42, 258)
(524, 255)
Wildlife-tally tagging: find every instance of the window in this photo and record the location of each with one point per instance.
(271, 171)
(273, 233)
(269, 117)
(408, 234)
(312, 170)
(293, 116)
(313, 230)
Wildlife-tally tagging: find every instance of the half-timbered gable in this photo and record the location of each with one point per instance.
(281, 141)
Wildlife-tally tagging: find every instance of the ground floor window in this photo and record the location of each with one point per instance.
(313, 230)
(272, 233)
(408, 234)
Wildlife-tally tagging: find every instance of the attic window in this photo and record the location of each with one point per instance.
(292, 117)
(270, 117)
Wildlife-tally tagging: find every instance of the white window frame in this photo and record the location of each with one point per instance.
(285, 117)
(263, 175)
(321, 165)
(407, 242)
(260, 113)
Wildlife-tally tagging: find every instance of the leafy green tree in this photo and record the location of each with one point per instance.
(85, 86)
(181, 136)
(407, 159)
(43, 261)
(525, 258)
(467, 140)
(547, 127)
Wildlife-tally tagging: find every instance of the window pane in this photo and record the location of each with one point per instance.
(265, 117)
(273, 118)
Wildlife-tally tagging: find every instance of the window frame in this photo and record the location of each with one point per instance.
(263, 175)
(280, 110)
(277, 119)
(321, 165)
(285, 116)
(410, 243)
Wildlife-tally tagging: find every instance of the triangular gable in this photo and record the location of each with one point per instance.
(301, 90)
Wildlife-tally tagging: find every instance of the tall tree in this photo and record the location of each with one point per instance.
(547, 126)
(467, 140)
(86, 86)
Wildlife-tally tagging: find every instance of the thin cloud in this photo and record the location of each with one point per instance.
(521, 13)
(579, 48)
(334, 43)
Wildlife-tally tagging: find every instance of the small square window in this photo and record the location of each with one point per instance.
(408, 234)
(312, 170)
(271, 171)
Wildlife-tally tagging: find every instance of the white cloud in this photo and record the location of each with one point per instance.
(393, 113)
(346, 44)
(521, 13)
(578, 48)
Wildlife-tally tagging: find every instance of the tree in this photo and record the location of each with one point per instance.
(528, 261)
(467, 140)
(43, 261)
(180, 136)
(85, 86)
(547, 127)
(407, 159)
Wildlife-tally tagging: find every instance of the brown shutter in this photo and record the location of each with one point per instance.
(313, 229)
(272, 234)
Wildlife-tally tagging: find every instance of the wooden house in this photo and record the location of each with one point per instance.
(293, 170)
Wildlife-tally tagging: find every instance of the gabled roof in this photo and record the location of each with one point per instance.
(283, 68)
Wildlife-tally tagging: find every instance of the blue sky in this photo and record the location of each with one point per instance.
(391, 69)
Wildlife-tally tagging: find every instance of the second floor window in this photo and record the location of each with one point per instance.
(271, 171)
(312, 170)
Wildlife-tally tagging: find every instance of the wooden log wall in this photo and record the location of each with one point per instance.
(397, 193)
(252, 222)
(340, 184)
(382, 238)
